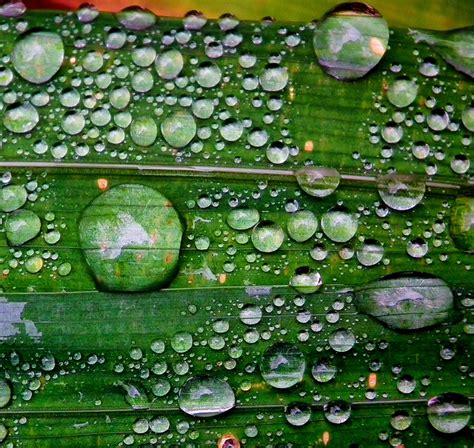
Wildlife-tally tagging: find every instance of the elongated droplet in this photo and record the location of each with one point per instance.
(350, 40)
(38, 56)
(22, 226)
(131, 237)
(318, 181)
(12, 197)
(407, 301)
(243, 218)
(204, 396)
(136, 18)
(401, 192)
(461, 224)
(449, 413)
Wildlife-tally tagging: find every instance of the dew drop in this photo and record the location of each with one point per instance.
(267, 236)
(20, 118)
(449, 412)
(22, 226)
(298, 414)
(339, 225)
(169, 64)
(337, 411)
(178, 129)
(302, 225)
(318, 181)
(401, 192)
(402, 92)
(12, 197)
(243, 218)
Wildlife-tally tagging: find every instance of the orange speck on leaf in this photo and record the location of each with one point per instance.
(222, 278)
(102, 184)
(228, 441)
(309, 146)
(372, 380)
(326, 438)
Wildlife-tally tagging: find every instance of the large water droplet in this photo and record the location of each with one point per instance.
(318, 182)
(12, 197)
(282, 365)
(243, 218)
(169, 64)
(449, 412)
(22, 226)
(337, 411)
(341, 340)
(136, 18)
(350, 40)
(306, 281)
(370, 253)
(298, 414)
(267, 236)
(402, 92)
(324, 370)
(204, 396)
(461, 224)
(131, 236)
(407, 301)
(20, 118)
(401, 192)
(339, 224)
(274, 78)
(143, 131)
(302, 225)
(178, 129)
(38, 56)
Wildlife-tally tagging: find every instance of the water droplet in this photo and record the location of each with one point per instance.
(402, 92)
(243, 218)
(350, 40)
(169, 64)
(401, 420)
(38, 56)
(136, 18)
(324, 370)
(73, 123)
(228, 22)
(449, 412)
(392, 132)
(429, 67)
(438, 120)
(208, 75)
(407, 301)
(468, 117)
(178, 129)
(251, 314)
(131, 238)
(341, 340)
(134, 396)
(12, 197)
(204, 396)
(318, 181)
(298, 414)
(274, 78)
(461, 222)
(302, 225)
(401, 192)
(460, 164)
(182, 342)
(339, 225)
(22, 226)
(417, 248)
(143, 131)
(12, 8)
(267, 236)
(34, 264)
(140, 426)
(306, 281)
(20, 118)
(282, 365)
(5, 393)
(337, 411)
(277, 153)
(231, 130)
(194, 20)
(370, 253)
(87, 13)
(159, 425)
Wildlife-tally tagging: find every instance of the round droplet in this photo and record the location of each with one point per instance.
(204, 396)
(22, 226)
(12, 8)
(251, 315)
(73, 123)
(134, 395)
(136, 18)
(267, 236)
(243, 218)
(181, 342)
(143, 131)
(302, 225)
(468, 118)
(20, 118)
(461, 222)
(306, 281)
(5, 393)
(38, 56)
(449, 412)
(401, 192)
(3, 429)
(370, 253)
(208, 75)
(350, 40)
(339, 225)
(417, 248)
(282, 365)
(406, 384)
(341, 340)
(401, 420)
(277, 153)
(159, 425)
(131, 237)
(337, 411)
(169, 64)
(438, 120)
(323, 370)
(402, 92)
(392, 132)
(231, 130)
(12, 197)
(298, 414)
(274, 78)
(34, 264)
(429, 67)
(318, 181)
(178, 129)
(407, 301)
